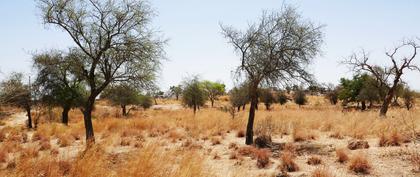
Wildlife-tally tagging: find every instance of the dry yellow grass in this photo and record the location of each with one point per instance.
(179, 143)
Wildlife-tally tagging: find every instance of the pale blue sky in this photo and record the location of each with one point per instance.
(197, 47)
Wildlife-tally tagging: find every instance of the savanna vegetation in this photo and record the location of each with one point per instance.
(96, 108)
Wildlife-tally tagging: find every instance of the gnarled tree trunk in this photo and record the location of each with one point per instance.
(65, 115)
(250, 126)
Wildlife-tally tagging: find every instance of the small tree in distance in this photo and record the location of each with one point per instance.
(238, 97)
(14, 92)
(176, 90)
(409, 98)
(300, 98)
(193, 94)
(267, 97)
(282, 98)
(123, 95)
(213, 90)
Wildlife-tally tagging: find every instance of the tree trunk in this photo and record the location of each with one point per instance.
(65, 115)
(239, 108)
(195, 108)
(250, 126)
(243, 107)
(87, 117)
(28, 113)
(177, 96)
(363, 105)
(155, 100)
(388, 98)
(124, 110)
(370, 104)
(212, 102)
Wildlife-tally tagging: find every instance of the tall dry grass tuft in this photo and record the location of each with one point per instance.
(342, 156)
(287, 163)
(360, 164)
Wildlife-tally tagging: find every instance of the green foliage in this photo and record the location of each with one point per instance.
(409, 98)
(213, 90)
(266, 96)
(146, 101)
(350, 89)
(14, 93)
(124, 95)
(300, 97)
(282, 98)
(238, 96)
(193, 94)
(58, 83)
(176, 90)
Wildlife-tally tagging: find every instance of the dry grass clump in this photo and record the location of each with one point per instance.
(44, 145)
(2, 135)
(215, 141)
(3, 156)
(29, 152)
(392, 139)
(341, 155)
(337, 135)
(247, 151)
(321, 172)
(125, 142)
(314, 160)
(240, 134)
(287, 163)
(415, 160)
(360, 164)
(263, 157)
(65, 140)
(300, 134)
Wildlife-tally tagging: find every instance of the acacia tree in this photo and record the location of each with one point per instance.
(213, 90)
(114, 44)
(267, 97)
(176, 90)
(299, 97)
(57, 82)
(238, 97)
(14, 92)
(387, 76)
(275, 50)
(123, 95)
(193, 94)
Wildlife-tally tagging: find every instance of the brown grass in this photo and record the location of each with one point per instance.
(392, 139)
(321, 172)
(240, 134)
(360, 164)
(263, 157)
(287, 163)
(415, 160)
(342, 156)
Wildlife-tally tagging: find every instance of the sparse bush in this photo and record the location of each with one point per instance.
(267, 97)
(282, 98)
(287, 162)
(360, 164)
(247, 151)
(300, 98)
(341, 155)
(300, 134)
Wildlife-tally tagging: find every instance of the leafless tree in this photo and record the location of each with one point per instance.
(114, 43)
(387, 77)
(276, 50)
